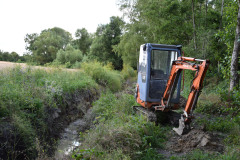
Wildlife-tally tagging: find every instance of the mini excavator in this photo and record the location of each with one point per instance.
(159, 82)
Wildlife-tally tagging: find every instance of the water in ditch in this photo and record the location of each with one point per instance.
(69, 139)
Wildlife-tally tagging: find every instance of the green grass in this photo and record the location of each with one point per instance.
(25, 95)
(119, 133)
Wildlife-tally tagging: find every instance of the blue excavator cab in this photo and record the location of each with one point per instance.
(155, 61)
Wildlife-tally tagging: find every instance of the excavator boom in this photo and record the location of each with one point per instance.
(178, 65)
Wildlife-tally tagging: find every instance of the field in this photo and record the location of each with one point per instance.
(9, 65)
(5, 65)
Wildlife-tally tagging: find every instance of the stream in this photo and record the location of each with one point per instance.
(69, 139)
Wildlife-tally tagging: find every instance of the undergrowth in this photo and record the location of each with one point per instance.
(25, 95)
(119, 133)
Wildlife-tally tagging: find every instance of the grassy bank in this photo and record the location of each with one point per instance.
(31, 100)
(119, 133)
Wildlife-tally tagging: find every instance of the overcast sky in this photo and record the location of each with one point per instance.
(19, 17)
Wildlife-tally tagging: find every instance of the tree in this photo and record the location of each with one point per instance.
(45, 46)
(14, 57)
(29, 40)
(234, 78)
(166, 22)
(6, 56)
(106, 37)
(83, 41)
(227, 36)
(194, 25)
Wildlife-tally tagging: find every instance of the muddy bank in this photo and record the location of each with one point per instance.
(76, 106)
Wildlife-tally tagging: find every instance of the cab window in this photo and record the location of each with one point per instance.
(161, 62)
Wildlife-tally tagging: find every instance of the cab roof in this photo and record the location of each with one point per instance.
(165, 46)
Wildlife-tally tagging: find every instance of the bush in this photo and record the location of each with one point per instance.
(128, 72)
(69, 55)
(77, 65)
(68, 65)
(55, 63)
(103, 75)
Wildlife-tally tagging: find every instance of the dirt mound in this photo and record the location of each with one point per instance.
(195, 139)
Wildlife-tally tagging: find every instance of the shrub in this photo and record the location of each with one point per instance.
(128, 72)
(68, 65)
(77, 65)
(103, 75)
(55, 63)
(69, 55)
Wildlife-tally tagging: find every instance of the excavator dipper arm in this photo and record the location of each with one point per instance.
(197, 83)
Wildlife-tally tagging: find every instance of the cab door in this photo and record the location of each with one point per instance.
(161, 63)
(142, 73)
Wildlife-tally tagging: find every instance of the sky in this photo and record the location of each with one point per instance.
(19, 17)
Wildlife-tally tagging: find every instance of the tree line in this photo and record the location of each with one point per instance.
(57, 45)
(11, 57)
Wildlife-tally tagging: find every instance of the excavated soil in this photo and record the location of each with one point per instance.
(197, 138)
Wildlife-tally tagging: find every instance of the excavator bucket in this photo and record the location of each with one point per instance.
(183, 128)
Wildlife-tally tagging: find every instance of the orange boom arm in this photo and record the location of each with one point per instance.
(196, 86)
